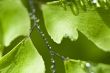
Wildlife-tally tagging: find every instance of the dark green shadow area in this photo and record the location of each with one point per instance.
(12, 45)
(84, 49)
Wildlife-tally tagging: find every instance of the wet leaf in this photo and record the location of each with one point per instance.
(62, 23)
(72, 66)
(24, 58)
(77, 66)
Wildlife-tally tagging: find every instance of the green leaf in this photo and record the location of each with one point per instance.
(14, 21)
(77, 66)
(63, 23)
(59, 23)
(72, 66)
(24, 58)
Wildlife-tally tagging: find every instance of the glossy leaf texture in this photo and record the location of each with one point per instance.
(77, 66)
(61, 23)
(24, 58)
(14, 21)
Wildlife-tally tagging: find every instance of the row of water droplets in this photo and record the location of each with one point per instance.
(85, 5)
(88, 67)
(101, 3)
(74, 8)
(35, 21)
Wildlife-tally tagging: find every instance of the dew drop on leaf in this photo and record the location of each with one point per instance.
(83, 5)
(88, 65)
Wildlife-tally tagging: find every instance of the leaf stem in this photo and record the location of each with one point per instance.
(34, 20)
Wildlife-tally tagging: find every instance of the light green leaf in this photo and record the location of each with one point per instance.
(24, 58)
(59, 23)
(14, 21)
(77, 66)
(72, 66)
(62, 23)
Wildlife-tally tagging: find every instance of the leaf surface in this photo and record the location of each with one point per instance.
(14, 21)
(62, 23)
(24, 58)
(77, 66)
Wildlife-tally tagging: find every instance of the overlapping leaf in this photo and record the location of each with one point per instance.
(59, 23)
(14, 21)
(77, 66)
(62, 23)
(24, 58)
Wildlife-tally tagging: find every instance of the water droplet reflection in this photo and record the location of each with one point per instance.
(88, 65)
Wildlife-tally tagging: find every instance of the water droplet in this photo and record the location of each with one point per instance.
(94, 1)
(52, 60)
(63, 58)
(92, 72)
(43, 34)
(30, 14)
(33, 17)
(108, 3)
(52, 66)
(38, 26)
(74, 9)
(88, 65)
(46, 41)
(104, 1)
(33, 10)
(52, 53)
(83, 5)
(98, 5)
(50, 47)
(37, 20)
(53, 71)
(104, 4)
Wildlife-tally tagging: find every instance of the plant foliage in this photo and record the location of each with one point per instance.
(62, 19)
